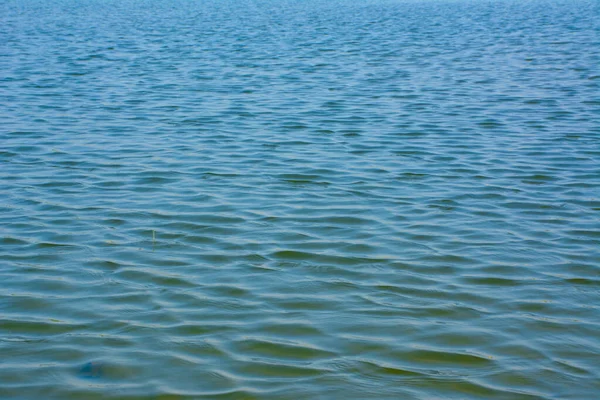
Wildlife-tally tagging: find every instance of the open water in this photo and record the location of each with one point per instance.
(310, 199)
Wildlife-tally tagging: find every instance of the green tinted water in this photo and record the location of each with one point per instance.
(269, 199)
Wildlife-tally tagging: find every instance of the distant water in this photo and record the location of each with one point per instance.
(277, 199)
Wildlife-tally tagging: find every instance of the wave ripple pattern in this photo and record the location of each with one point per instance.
(276, 199)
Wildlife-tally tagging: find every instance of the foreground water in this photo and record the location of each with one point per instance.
(273, 199)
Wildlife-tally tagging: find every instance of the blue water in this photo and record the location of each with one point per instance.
(276, 199)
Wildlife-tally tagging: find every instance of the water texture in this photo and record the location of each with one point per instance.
(276, 199)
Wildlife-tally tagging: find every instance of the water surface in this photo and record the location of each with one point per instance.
(276, 199)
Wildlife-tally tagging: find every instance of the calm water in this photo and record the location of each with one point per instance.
(277, 199)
